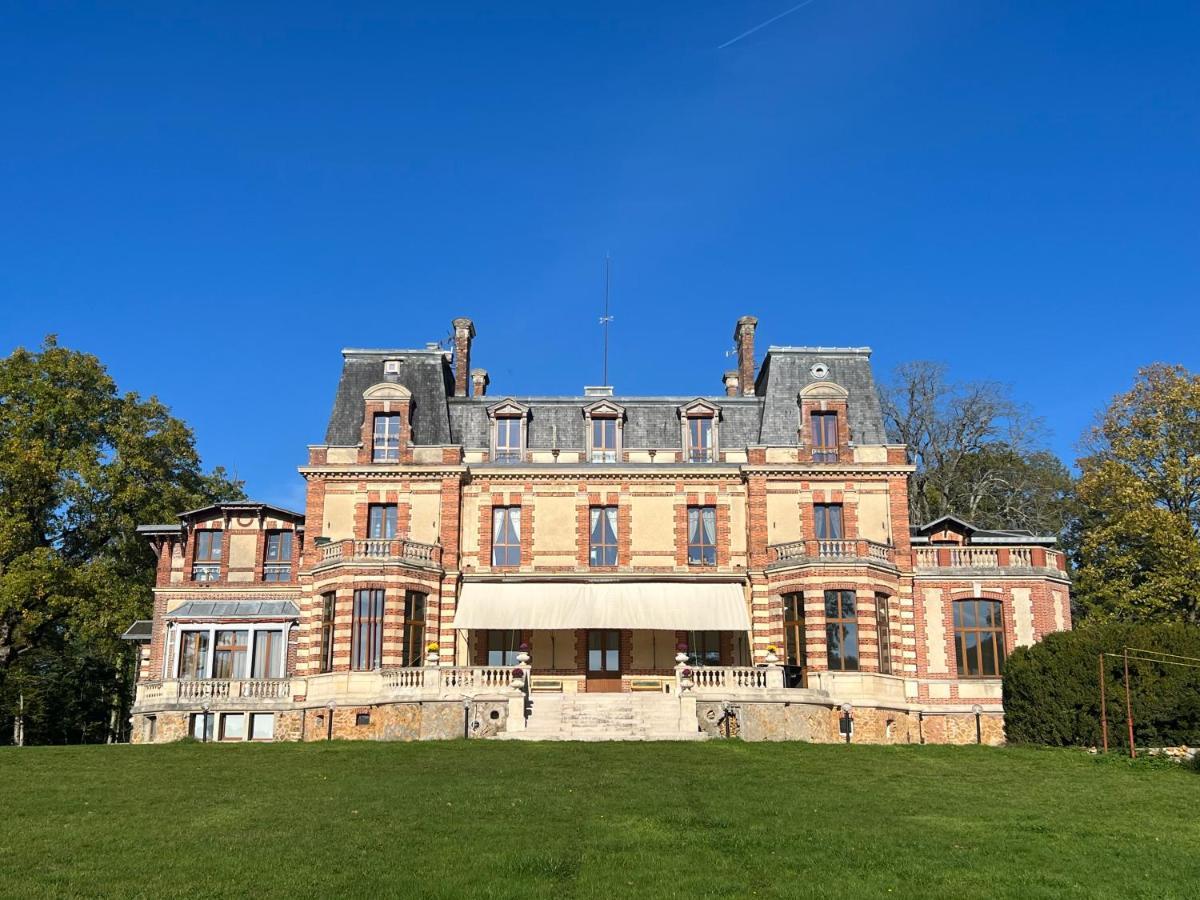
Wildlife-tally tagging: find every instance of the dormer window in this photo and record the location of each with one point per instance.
(824, 436)
(277, 558)
(206, 560)
(385, 445)
(699, 420)
(604, 431)
(508, 431)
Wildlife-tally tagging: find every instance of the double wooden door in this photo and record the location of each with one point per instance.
(604, 660)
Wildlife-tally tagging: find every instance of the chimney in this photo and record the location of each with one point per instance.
(743, 337)
(731, 384)
(464, 331)
(479, 382)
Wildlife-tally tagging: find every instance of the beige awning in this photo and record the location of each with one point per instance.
(660, 605)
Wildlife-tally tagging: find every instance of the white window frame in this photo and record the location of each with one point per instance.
(509, 409)
(212, 628)
(605, 410)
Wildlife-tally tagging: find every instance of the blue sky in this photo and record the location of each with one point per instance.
(215, 198)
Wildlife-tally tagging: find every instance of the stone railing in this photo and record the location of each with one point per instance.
(856, 548)
(987, 558)
(474, 678)
(736, 678)
(248, 689)
(397, 549)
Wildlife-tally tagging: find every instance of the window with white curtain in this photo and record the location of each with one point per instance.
(506, 536)
(603, 536)
(702, 535)
(268, 654)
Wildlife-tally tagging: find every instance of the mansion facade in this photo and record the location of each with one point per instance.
(484, 565)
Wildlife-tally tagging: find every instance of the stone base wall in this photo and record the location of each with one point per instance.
(429, 720)
(819, 724)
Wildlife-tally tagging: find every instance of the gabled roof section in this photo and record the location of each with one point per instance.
(954, 523)
(699, 406)
(787, 371)
(980, 536)
(140, 631)
(424, 373)
(245, 505)
(604, 407)
(508, 407)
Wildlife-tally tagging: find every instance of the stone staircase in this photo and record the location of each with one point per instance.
(607, 717)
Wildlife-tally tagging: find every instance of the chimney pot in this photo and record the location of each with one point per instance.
(479, 382)
(731, 384)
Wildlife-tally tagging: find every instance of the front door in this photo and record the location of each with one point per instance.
(604, 660)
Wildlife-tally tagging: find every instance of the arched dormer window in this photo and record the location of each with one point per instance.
(605, 424)
(508, 431)
(699, 420)
(824, 428)
(386, 429)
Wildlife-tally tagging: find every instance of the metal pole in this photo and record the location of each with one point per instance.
(1129, 707)
(19, 736)
(1103, 707)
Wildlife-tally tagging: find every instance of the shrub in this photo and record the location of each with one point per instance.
(1052, 692)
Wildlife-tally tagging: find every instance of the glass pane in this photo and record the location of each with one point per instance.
(594, 657)
(850, 646)
(835, 522)
(849, 604)
(832, 606)
(967, 617)
(262, 726)
(990, 613)
(987, 655)
(819, 521)
(971, 647)
(233, 726)
(833, 638)
(959, 658)
(611, 660)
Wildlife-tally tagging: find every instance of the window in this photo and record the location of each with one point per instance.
(603, 536)
(262, 726)
(277, 560)
(229, 654)
(827, 521)
(268, 654)
(502, 647)
(883, 634)
(700, 447)
(233, 727)
(206, 562)
(361, 719)
(385, 444)
(795, 649)
(704, 648)
(508, 439)
(381, 521)
(366, 651)
(328, 602)
(702, 535)
(412, 652)
(151, 729)
(604, 650)
(506, 536)
(841, 630)
(979, 638)
(604, 440)
(193, 654)
(200, 726)
(824, 436)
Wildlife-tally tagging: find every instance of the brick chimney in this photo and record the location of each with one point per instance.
(731, 384)
(479, 382)
(464, 331)
(743, 337)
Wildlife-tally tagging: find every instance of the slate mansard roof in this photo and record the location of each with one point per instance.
(769, 417)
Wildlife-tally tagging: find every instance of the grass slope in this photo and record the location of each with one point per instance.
(482, 819)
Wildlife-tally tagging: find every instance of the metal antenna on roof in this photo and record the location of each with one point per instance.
(606, 318)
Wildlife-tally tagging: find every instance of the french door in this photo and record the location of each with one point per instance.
(604, 660)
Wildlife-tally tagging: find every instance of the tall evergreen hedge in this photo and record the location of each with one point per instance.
(1052, 691)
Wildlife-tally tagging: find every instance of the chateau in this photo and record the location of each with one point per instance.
(595, 566)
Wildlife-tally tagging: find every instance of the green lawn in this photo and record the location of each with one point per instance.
(524, 820)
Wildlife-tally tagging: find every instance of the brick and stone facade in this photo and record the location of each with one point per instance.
(360, 617)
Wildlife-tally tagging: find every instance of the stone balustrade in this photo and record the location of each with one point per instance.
(396, 549)
(841, 549)
(956, 557)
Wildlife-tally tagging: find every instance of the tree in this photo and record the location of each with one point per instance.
(1139, 533)
(80, 467)
(976, 453)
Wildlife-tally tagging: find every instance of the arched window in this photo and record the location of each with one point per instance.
(979, 638)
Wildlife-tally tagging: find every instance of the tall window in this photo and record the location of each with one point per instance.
(366, 630)
(702, 535)
(385, 445)
(328, 602)
(795, 649)
(603, 536)
(824, 436)
(229, 654)
(277, 560)
(502, 647)
(193, 654)
(883, 634)
(412, 652)
(979, 638)
(841, 630)
(508, 439)
(700, 448)
(206, 561)
(268, 654)
(506, 536)
(381, 521)
(704, 648)
(827, 521)
(604, 440)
